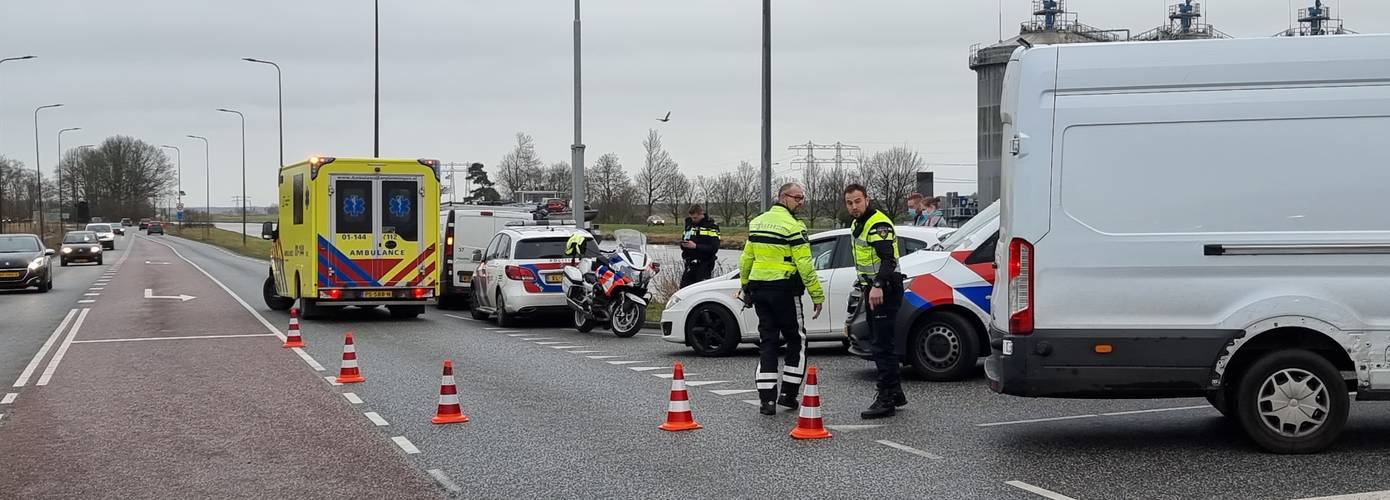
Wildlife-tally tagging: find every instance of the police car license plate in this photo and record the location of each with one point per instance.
(552, 278)
(10, 274)
(377, 294)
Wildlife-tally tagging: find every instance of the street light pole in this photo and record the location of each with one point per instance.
(376, 79)
(577, 150)
(207, 183)
(280, 93)
(178, 164)
(38, 164)
(243, 171)
(766, 177)
(60, 175)
(2, 186)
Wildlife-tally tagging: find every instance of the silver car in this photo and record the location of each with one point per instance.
(105, 235)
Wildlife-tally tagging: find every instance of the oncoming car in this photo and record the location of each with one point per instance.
(24, 262)
(707, 317)
(80, 245)
(105, 234)
(522, 272)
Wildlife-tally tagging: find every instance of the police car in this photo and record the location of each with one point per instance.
(707, 317)
(946, 304)
(521, 271)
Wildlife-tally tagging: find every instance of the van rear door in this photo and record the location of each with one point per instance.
(375, 230)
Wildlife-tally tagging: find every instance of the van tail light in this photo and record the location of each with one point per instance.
(519, 273)
(424, 293)
(1021, 287)
(330, 294)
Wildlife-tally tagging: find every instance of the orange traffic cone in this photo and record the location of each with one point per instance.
(809, 424)
(678, 416)
(349, 373)
(450, 412)
(292, 338)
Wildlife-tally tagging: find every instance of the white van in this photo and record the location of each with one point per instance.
(1199, 218)
(466, 233)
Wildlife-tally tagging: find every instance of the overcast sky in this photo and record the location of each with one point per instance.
(461, 77)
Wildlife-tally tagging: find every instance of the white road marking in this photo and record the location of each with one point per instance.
(584, 352)
(1096, 415)
(95, 289)
(2, 415)
(516, 334)
(352, 398)
(1038, 491)
(332, 380)
(645, 368)
(650, 334)
(91, 295)
(9, 398)
(491, 329)
(726, 392)
(444, 480)
(753, 402)
(543, 338)
(697, 383)
(307, 358)
(669, 375)
(508, 331)
(376, 419)
(192, 337)
(551, 342)
(405, 445)
(1155, 410)
(86, 302)
(460, 317)
(1369, 495)
(567, 346)
(62, 349)
(852, 427)
(908, 449)
(606, 356)
(622, 362)
(149, 294)
(1036, 420)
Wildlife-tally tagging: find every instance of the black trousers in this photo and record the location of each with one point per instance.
(885, 351)
(696, 270)
(779, 318)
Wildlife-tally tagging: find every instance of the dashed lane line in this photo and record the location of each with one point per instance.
(1036, 420)
(650, 334)
(352, 398)
(9, 398)
(405, 444)
(376, 419)
(645, 368)
(191, 337)
(697, 383)
(444, 481)
(332, 380)
(727, 392)
(86, 302)
(542, 338)
(551, 343)
(622, 362)
(62, 349)
(1038, 491)
(606, 356)
(517, 334)
(307, 358)
(909, 449)
(669, 375)
(43, 351)
(91, 294)
(584, 352)
(567, 346)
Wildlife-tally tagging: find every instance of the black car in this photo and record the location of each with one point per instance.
(155, 228)
(24, 262)
(144, 223)
(80, 245)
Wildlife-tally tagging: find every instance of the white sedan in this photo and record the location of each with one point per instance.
(708, 318)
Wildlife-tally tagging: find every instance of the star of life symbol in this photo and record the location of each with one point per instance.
(354, 206)
(400, 206)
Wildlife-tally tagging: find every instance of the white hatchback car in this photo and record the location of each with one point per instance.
(522, 271)
(105, 234)
(707, 317)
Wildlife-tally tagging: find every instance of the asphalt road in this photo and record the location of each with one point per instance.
(563, 414)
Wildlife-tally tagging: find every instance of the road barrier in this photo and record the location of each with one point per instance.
(349, 374)
(809, 424)
(678, 415)
(292, 337)
(450, 411)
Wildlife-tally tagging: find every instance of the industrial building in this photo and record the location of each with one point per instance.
(1316, 20)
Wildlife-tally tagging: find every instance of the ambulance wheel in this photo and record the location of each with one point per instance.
(942, 348)
(504, 320)
(272, 300)
(310, 309)
(406, 312)
(473, 305)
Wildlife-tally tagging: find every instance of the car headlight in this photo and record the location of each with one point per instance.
(36, 263)
(96, 248)
(67, 249)
(673, 300)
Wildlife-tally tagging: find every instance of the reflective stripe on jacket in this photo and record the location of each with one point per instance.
(777, 250)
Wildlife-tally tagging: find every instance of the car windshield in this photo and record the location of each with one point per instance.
(540, 248)
(100, 228)
(974, 224)
(13, 244)
(80, 237)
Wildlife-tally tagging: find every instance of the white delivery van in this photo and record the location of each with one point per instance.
(1199, 218)
(466, 233)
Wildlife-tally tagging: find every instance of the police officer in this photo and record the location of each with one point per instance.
(879, 282)
(774, 270)
(700, 246)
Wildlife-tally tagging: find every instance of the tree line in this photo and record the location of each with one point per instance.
(121, 177)
(659, 187)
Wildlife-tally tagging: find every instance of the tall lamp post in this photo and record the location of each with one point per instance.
(60, 175)
(178, 165)
(243, 171)
(280, 96)
(765, 178)
(2, 187)
(38, 164)
(376, 80)
(577, 150)
(207, 183)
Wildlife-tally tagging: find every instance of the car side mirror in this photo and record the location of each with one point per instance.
(477, 256)
(270, 231)
(50, 252)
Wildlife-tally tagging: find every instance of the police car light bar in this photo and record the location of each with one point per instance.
(569, 222)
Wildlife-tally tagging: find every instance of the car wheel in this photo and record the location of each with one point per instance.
(943, 348)
(504, 320)
(1220, 401)
(99, 260)
(477, 314)
(272, 299)
(406, 312)
(1292, 401)
(712, 331)
(46, 284)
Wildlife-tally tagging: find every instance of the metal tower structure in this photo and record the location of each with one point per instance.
(1317, 20)
(1184, 23)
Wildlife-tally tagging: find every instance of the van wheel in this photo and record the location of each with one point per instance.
(943, 348)
(1292, 402)
(272, 300)
(712, 331)
(504, 320)
(447, 299)
(473, 308)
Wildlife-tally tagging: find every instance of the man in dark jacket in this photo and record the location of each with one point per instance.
(699, 246)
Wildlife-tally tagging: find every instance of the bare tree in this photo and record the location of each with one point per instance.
(890, 176)
(833, 181)
(747, 177)
(123, 176)
(658, 172)
(680, 194)
(609, 187)
(729, 195)
(521, 169)
(557, 177)
(815, 192)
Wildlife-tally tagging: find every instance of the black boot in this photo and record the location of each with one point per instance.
(767, 408)
(882, 407)
(788, 400)
(899, 399)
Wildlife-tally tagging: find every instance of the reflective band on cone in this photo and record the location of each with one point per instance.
(292, 337)
(809, 424)
(349, 374)
(449, 412)
(678, 415)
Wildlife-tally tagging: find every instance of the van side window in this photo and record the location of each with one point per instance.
(298, 198)
(985, 252)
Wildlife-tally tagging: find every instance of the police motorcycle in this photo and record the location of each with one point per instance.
(611, 288)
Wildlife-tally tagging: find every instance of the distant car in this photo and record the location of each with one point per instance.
(80, 245)
(116, 228)
(556, 205)
(155, 228)
(656, 220)
(521, 272)
(126, 222)
(97, 219)
(144, 224)
(707, 317)
(105, 233)
(24, 262)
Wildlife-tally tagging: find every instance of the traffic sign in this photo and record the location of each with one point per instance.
(179, 207)
(179, 216)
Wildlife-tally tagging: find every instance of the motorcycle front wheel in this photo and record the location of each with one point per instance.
(628, 317)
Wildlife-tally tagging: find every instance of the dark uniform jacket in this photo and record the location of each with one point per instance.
(705, 235)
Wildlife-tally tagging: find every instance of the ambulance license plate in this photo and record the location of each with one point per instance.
(386, 294)
(552, 278)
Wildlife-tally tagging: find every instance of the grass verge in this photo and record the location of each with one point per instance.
(255, 248)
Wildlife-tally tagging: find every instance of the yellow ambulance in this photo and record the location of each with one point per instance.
(355, 232)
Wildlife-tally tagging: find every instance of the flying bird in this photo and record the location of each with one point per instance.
(667, 118)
